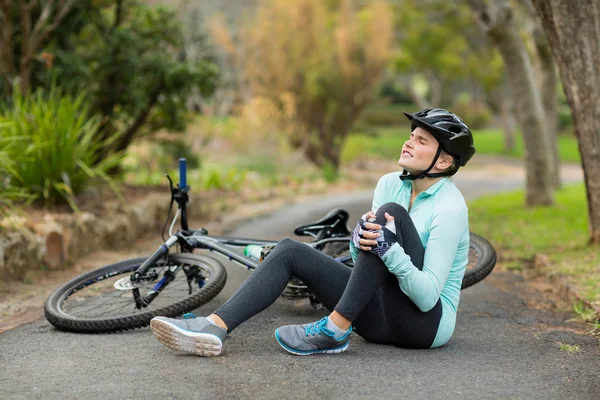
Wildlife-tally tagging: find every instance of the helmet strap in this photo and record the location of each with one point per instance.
(425, 174)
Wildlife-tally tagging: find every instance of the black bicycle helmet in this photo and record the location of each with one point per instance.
(453, 135)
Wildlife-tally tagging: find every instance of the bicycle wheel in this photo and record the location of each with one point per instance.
(102, 300)
(482, 258)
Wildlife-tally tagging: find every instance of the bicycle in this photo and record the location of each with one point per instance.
(128, 294)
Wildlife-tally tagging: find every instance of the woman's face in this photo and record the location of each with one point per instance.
(418, 151)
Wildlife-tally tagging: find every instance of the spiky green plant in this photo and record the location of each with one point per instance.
(49, 148)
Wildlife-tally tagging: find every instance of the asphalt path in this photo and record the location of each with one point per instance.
(500, 348)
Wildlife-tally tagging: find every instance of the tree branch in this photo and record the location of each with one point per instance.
(41, 31)
(129, 135)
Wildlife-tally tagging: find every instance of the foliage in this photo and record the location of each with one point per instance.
(314, 85)
(9, 195)
(387, 142)
(518, 233)
(476, 114)
(356, 147)
(51, 154)
(379, 114)
(491, 141)
(24, 28)
(219, 177)
(126, 56)
(439, 43)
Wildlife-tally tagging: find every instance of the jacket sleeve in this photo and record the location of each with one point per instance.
(424, 287)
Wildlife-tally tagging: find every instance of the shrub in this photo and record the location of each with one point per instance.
(50, 149)
(216, 177)
(477, 115)
(355, 147)
(386, 115)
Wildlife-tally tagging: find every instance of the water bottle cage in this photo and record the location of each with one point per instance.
(265, 251)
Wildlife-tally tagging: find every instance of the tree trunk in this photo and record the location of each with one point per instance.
(548, 84)
(7, 61)
(574, 36)
(497, 20)
(508, 125)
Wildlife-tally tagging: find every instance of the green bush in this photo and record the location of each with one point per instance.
(356, 146)
(217, 177)
(385, 115)
(477, 115)
(330, 173)
(50, 148)
(172, 150)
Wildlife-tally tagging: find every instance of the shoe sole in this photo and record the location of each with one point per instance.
(175, 338)
(334, 350)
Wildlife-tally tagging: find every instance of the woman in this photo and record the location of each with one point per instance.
(410, 253)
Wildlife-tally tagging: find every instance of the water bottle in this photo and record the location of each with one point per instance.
(253, 251)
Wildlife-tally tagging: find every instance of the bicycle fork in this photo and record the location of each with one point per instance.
(141, 272)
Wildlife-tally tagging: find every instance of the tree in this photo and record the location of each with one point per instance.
(574, 38)
(437, 44)
(317, 65)
(548, 83)
(33, 33)
(125, 55)
(497, 20)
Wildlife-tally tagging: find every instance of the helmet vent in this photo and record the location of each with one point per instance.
(455, 129)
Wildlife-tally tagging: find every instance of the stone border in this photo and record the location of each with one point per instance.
(58, 240)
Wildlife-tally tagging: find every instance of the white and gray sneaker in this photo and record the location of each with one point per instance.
(192, 334)
(313, 338)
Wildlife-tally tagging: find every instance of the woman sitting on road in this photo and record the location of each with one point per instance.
(410, 253)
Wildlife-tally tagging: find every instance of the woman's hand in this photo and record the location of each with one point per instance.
(359, 230)
(386, 236)
(363, 235)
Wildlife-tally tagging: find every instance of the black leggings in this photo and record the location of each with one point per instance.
(368, 294)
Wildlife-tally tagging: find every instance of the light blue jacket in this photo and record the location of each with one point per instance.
(441, 217)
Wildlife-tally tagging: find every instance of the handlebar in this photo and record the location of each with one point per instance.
(182, 173)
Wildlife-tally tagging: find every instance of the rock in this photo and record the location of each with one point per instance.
(20, 251)
(51, 233)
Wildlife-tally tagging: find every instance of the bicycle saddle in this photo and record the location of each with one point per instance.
(335, 223)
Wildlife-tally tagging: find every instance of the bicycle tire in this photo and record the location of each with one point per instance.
(486, 261)
(486, 258)
(66, 322)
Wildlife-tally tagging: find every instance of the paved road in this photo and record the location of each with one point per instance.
(500, 349)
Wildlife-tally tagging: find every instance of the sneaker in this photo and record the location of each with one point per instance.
(313, 338)
(192, 334)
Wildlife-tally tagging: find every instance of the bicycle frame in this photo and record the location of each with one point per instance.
(189, 240)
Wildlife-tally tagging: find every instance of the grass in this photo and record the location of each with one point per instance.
(386, 142)
(491, 141)
(570, 348)
(560, 232)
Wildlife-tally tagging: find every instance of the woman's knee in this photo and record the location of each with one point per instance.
(393, 209)
(286, 246)
(288, 243)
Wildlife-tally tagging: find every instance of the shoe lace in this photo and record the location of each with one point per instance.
(189, 315)
(317, 328)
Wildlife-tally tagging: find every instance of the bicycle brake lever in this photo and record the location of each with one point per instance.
(170, 181)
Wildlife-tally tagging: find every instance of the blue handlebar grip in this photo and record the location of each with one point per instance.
(182, 173)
